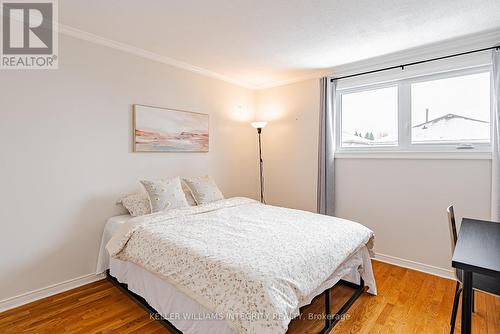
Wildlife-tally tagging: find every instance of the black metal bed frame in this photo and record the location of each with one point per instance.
(330, 319)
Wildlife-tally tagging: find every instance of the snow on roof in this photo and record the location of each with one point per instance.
(349, 139)
(452, 127)
(448, 117)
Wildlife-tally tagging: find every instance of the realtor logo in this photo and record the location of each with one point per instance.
(29, 34)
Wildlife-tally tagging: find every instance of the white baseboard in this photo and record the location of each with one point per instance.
(426, 268)
(28, 297)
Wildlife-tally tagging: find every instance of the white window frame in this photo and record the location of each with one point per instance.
(404, 118)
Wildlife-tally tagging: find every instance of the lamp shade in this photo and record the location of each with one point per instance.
(259, 124)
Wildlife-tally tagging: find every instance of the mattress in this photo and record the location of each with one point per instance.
(185, 313)
(112, 225)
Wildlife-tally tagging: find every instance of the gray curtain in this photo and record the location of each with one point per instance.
(495, 140)
(326, 167)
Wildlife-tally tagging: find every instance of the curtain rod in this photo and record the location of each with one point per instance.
(416, 63)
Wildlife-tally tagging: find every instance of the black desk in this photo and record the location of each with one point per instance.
(478, 251)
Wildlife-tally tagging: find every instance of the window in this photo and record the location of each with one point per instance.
(370, 118)
(451, 110)
(441, 112)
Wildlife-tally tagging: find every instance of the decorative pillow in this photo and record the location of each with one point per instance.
(136, 204)
(165, 194)
(204, 189)
(187, 193)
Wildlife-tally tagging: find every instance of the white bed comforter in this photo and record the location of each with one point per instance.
(250, 263)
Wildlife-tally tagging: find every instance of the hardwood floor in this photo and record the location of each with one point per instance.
(408, 302)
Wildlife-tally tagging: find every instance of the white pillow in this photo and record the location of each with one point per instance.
(136, 204)
(187, 193)
(204, 189)
(165, 194)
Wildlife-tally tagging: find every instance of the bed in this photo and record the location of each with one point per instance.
(235, 265)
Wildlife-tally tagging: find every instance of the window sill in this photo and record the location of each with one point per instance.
(451, 155)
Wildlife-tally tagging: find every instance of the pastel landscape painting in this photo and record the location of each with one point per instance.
(168, 130)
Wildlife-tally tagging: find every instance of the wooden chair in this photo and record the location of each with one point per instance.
(479, 282)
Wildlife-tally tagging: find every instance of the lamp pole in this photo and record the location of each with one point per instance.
(259, 125)
(261, 167)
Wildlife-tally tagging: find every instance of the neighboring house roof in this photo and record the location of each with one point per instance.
(452, 127)
(351, 140)
(448, 117)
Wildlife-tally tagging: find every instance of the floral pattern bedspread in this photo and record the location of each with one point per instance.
(252, 264)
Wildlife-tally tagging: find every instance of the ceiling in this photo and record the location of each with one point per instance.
(258, 43)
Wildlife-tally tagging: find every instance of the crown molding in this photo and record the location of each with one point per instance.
(314, 75)
(442, 48)
(89, 37)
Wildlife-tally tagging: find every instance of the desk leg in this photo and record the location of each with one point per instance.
(467, 303)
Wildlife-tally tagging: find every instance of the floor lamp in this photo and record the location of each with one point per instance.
(259, 126)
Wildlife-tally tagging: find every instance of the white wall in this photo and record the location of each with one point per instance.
(404, 201)
(66, 154)
(290, 143)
